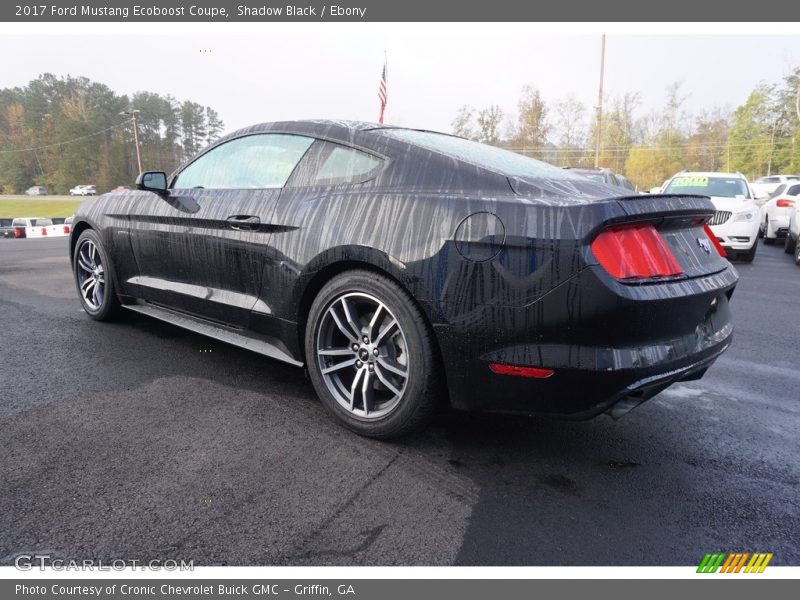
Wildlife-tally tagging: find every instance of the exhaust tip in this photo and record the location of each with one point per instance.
(626, 405)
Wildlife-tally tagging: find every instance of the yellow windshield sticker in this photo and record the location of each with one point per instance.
(692, 181)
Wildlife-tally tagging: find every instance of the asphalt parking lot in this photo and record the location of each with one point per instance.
(137, 440)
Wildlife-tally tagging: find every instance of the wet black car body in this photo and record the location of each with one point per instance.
(495, 255)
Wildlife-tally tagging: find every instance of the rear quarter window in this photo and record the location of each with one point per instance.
(346, 165)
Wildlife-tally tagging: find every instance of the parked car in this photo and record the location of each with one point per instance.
(406, 267)
(28, 227)
(6, 230)
(83, 190)
(604, 175)
(736, 222)
(764, 187)
(776, 212)
(658, 189)
(36, 190)
(791, 245)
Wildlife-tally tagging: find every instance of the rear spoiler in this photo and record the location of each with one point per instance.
(675, 205)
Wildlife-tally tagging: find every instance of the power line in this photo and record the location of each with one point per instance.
(625, 148)
(77, 139)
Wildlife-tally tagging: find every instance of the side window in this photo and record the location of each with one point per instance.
(251, 162)
(772, 180)
(793, 191)
(345, 165)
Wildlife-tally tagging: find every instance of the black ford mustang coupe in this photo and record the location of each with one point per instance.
(403, 267)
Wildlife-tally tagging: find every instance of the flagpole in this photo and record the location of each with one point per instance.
(382, 90)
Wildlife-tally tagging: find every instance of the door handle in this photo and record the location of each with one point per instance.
(243, 222)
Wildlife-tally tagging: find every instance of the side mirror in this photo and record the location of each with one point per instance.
(153, 181)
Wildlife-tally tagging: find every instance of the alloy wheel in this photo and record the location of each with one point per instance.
(91, 276)
(362, 355)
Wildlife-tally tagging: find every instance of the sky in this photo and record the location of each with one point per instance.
(332, 70)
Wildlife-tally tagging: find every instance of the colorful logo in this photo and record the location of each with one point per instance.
(734, 562)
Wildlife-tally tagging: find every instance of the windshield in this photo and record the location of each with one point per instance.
(489, 157)
(703, 185)
(590, 175)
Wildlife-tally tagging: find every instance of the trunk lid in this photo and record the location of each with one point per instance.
(680, 220)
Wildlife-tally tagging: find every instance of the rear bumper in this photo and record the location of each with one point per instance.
(779, 225)
(590, 381)
(606, 369)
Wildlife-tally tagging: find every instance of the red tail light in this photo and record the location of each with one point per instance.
(19, 232)
(533, 372)
(44, 231)
(635, 252)
(784, 203)
(66, 228)
(715, 241)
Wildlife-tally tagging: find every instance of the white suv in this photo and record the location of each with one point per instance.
(736, 221)
(764, 187)
(778, 209)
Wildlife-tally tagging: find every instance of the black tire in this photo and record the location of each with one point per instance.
(767, 240)
(789, 244)
(392, 414)
(107, 306)
(750, 254)
(797, 254)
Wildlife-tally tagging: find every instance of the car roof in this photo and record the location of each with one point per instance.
(334, 128)
(708, 174)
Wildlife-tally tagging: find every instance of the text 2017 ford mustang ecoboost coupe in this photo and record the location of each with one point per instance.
(403, 267)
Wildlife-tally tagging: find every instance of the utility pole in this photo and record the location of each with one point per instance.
(771, 148)
(728, 166)
(599, 131)
(797, 102)
(132, 113)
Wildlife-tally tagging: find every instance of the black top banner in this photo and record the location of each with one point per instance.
(407, 10)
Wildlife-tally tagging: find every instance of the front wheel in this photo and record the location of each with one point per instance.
(91, 268)
(371, 356)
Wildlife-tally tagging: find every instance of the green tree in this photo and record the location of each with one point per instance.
(64, 131)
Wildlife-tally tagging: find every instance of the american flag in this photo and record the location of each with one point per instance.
(382, 96)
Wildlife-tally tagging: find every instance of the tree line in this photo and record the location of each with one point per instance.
(64, 131)
(760, 137)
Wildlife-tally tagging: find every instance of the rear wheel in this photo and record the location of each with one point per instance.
(797, 255)
(91, 268)
(789, 243)
(371, 356)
